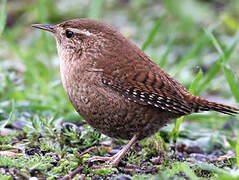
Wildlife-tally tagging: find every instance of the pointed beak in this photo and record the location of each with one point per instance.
(45, 27)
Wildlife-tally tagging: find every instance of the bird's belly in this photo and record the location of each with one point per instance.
(114, 115)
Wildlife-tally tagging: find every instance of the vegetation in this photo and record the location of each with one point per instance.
(42, 136)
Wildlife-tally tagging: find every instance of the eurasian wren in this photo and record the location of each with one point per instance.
(116, 87)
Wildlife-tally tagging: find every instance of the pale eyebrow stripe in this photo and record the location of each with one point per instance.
(85, 32)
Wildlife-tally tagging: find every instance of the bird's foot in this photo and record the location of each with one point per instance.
(114, 160)
(108, 161)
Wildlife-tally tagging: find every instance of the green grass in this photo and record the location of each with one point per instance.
(2, 16)
(232, 81)
(152, 33)
(95, 9)
(181, 38)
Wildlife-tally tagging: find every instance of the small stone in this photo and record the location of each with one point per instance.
(8, 153)
(123, 178)
(227, 125)
(2, 171)
(5, 131)
(156, 160)
(114, 151)
(107, 155)
(33, 151)
(106, 143)
(199, 157)
(18, 125)
(33, 178)
(69, 126)
(194, 149)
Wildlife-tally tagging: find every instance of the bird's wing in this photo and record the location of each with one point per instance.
(148, 88)
(127, 70)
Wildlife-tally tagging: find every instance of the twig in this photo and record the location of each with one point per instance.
(72, 174)
(88, 150)
(79, 169)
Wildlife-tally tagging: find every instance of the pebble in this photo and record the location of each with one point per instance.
(18, 125)
(114, 151)
(69, 126)
(8, 153)
(33, 178)
(33, 151)
(194, 149)
(107, 143)
(123, 178)
(5, 131)
(200, 157)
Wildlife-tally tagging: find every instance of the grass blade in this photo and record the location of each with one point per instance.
(210, 167)
(233, 83)
(188, 171)
(182, 167)
(191, 54)
(217, 66)
(42, 10)
(95, 9)
(163, 59)
(210, 75)
(11, 118)
(43, 13)
(192, 90)
(237, 152)
(3, 16)
(215, 43)
(175, 131)
(194, 86)
(152, 33)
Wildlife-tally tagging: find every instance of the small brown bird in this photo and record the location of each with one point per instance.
(116, 87)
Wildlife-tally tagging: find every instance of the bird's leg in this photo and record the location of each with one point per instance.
(114, 160)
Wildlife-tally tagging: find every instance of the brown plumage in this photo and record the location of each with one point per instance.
(116, 87)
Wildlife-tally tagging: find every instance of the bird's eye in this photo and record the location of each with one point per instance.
(69, 34)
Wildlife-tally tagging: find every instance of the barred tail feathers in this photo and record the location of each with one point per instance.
(200, 104)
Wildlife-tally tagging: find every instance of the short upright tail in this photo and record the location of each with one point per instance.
(200, 104)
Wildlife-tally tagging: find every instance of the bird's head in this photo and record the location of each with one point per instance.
(78, 36)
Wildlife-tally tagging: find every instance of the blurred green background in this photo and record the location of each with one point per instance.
(182, 38)
(193, 40)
